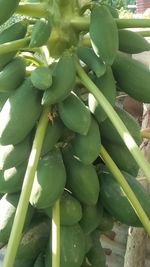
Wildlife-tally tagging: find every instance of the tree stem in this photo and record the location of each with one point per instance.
(22, 207)
(39, 10)
(14, 45)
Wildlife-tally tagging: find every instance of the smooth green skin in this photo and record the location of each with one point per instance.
(70, 210)
(72, 247)
(39, 262)
(102, 29)
(116, 202)
(106, 222)
(14, 155)
(88, 243)
(74, 114)
(64, 78)
(132, 76)
(11, 179)
(7, 8)
(41, 78)
(8, 205)
(86, 147)
(91, 218)
(132, 42)
(122, 157)
(96, 255)
(49, 181)
(23, 263)
(107, 86)
(19, 114)
(94, 63)
(12, 75)
(3, 98)
(12, 33)
(109, 132)
(34, 239)
(40, 33)
(82, 179)
(53, 133)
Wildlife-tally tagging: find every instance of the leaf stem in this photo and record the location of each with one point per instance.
(14, 45)
(115, 119)
(56, 234)
(21, 211)
(126, 188)
(39, 10)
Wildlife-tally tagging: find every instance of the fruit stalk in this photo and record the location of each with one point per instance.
(126, 188)
(26, 191)
(117, 122)
(39, 10)
(14, 45)
(56, 234)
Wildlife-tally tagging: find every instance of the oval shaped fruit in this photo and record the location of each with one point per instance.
(132, 42)
(116, 202)
(72, 247)
(12, 74)
(132, 76)
(74, 114)
(107, 86)
(82, 179)
(64, 77)
(40, 33)
(23, 263)
(7, 8)
(103, 28)
(13, 155)
(39, 262)
(49, 181)
(8, 205)
(106, 222)
(3, 98)
(16, 117)
(14, 32)
(11, 179)
(109, 132)
(86, 147)
(41, 77)
(94, 62)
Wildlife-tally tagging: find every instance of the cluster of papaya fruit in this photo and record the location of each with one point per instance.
(69, 167)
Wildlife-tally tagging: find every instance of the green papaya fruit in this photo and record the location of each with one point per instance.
(107, 86)
(23, 263)
(49, 181)
(72, 247)
(64, 77)
(106, 222)
(86, 147)
(40, 33)
(8, 205)
(11, 179)
(53, 133)
(122, 157)
(116, 202)
(103, 28)
(109, 132)
(132, 76)
(41, 77)
(82, 179)
(88, 243)
(12, 74)
(74, 114)
(34, 239)
(14, 32)
(113, 11)
(16, 117)
(14, 155)
(3, 98)
(94, 62)
(39, 262)
(132, 42)
(7, 8)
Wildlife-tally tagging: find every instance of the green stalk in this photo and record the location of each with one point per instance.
(39, 10)
(14, 45)
(144, 33)
(115, 119)
(83, 23)
(56, 234)
(126, 188)
(22, 207)
(145, 134)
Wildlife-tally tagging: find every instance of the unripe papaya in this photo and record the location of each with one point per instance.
(74, 114)
(16, 117)
(86, 147)
(49, 181)
(132, 76)
(39, 262)
(103, 33)
(23, 263)
(7, 8)
(3, 98)
(64, 77)
(41, 77)
(12, 74)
